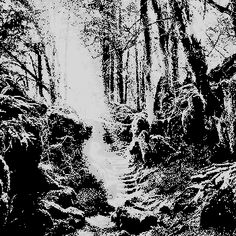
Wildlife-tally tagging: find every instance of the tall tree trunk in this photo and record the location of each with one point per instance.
(233, 2)
(174, 58)
(120, 82)
(126, 78)
(112, 84)
(105, 64)
(142, 84)
(164, 84)
(163, 36)
(40, 70)
(147, 38)
(52, 84)
(148, 51)
(137, 79)
(119, 54)
(197, 61)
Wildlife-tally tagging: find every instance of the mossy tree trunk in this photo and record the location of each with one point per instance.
(147, 38)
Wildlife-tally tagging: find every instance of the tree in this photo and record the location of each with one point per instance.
(147, 38)
(23, 48)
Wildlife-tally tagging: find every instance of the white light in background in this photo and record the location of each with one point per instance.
(80, 72)
(84, 92)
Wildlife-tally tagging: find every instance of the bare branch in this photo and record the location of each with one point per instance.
(214, 44)
(219, 7)
(225, 70)
(18, 61)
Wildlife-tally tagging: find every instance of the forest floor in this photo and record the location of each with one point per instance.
(138, 189)
(85, 173)
(145, 192)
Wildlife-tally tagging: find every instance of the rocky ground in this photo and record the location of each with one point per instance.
(61, 176)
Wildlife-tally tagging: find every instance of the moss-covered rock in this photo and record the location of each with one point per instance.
(28, 217)
(219, 211)
(65, 123)
(65, 197)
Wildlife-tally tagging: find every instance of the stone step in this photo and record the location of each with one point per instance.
(129, 181)
(132, 185)
(129, 177)
(131, 190)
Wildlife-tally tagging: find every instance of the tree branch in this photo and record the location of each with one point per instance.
(22, 65)
(225, 70)
(19, 62)
(219, 7)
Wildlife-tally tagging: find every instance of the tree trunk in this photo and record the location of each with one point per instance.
(142, 85)
(126, 78)
(120, 82)
(197, 61)
(137, 79)
(233, 2)
(174, 58)
(112, 85)
(147, 38)
(119, 54)
(40, 70)
(164, 85)
(52, 84)
(105, 64)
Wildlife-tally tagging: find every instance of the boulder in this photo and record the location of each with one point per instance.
(139, 123)
(65, 197)
(131, 222)
(219, 211)
(28, 217)
(123, 233)
(160, 148)
(147, 222)
(124, 220)
(59, 212)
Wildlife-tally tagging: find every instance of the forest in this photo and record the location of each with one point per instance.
(118, 118)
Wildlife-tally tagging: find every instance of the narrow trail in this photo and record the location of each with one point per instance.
(119, 178)
(113, 168)
(127, 185)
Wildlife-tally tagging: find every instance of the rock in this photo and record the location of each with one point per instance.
(64, 227)
(28, 217)
(158, 126)
(147, 222)
(124, 133)
(127, 220)
(220, 211)
(123, 233)
(59, 212)
(161, 147)
(136, 153)
(193, 120)
(65, 197)
(184, 203)
(55, 210)
(165, 208)
(64, 123)
(140, 149)
(139, 123)
(76, 213)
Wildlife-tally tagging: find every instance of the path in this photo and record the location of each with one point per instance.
(119, 178)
